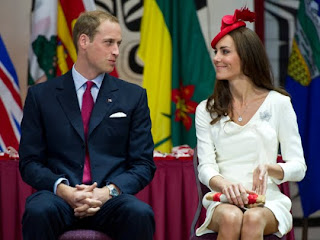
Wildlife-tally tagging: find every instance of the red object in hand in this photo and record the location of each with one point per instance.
(252, 198)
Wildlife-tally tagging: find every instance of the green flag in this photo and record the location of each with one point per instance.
(191, 70)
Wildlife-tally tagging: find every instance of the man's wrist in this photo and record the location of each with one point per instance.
(113, 190)
(62, 190)
(60, 180)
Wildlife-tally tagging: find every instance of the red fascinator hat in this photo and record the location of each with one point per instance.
(231, 22)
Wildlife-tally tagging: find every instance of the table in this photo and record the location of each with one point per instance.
(172, 194)
(13, 194)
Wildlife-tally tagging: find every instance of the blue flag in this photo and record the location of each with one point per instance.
(10, 102)
(303, 83)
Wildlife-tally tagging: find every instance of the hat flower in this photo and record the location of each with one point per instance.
(231, 22)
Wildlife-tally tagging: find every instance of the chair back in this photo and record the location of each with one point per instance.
(202, 190)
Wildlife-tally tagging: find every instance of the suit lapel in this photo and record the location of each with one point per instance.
(67, 97)
(105, 101)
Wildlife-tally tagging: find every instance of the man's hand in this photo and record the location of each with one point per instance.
(101, 194)
(88, 208)
(80, 199)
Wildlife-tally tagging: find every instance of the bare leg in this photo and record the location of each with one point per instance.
(258, 222)
(227, 221)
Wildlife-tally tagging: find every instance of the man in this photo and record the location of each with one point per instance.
(86, 171)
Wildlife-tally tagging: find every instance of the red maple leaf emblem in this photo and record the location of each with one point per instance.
(184, 105)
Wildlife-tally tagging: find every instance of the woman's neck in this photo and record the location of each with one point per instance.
(243, 91)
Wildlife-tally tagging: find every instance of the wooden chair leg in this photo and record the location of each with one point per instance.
(305, 229)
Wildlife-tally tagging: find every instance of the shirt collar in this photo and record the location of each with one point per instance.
(79, 80)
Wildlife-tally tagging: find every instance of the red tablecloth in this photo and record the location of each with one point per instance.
(172, 194)
(13, 194)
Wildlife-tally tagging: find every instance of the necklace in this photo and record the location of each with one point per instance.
(240, 115)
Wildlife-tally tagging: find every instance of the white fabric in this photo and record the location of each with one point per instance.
(233, 151)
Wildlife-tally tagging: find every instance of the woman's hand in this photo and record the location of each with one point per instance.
(236, 193)
(260, 179)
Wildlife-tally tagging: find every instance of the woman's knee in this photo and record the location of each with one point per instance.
(253, 217)
(259, 222)
(227, 217)
(253, 223)
(231, 217)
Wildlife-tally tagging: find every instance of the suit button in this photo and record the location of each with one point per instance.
(80, 166)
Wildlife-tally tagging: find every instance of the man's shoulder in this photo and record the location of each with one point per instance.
(51, 83)
(126, 85)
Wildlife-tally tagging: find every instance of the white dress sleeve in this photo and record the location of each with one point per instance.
(207, 167)
(294, 167)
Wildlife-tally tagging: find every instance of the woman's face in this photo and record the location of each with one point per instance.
(227, 61)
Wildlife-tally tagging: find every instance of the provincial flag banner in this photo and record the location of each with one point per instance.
(303, 84)
(178, 72)
(10, 102)
(52, 52)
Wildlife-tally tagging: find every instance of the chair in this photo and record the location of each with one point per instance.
(200, 212)
(83, 234)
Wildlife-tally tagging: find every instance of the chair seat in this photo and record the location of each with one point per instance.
(84, 234)
(213, 236)
(208, 236)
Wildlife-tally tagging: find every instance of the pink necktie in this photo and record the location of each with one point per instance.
(87, 106)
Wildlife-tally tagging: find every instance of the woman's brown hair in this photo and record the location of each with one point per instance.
(254, 64)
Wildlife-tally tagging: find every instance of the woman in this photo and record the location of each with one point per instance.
(240, 130)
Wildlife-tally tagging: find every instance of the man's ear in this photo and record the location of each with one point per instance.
(83, 41)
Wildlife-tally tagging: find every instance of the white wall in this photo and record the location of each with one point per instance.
(14, 29)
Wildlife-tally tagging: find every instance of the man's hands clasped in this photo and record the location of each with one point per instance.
(86, 200)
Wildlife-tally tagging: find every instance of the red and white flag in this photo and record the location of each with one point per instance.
(10, 102)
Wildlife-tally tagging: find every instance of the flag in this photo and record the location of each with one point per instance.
(52, 52)
(10, 102)
(303, 83)
(178, 72)
(68, 12)
(42, 53)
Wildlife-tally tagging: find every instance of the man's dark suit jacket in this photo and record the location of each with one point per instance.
(52, 143)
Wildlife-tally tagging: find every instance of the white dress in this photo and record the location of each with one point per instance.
(233, 151)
